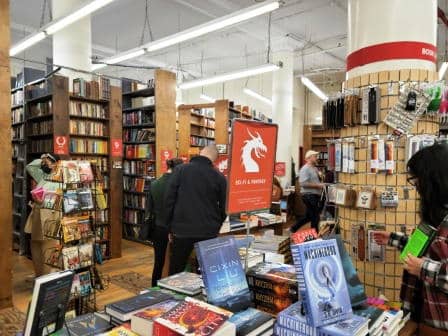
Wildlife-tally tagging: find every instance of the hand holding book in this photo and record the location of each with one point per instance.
(413, 264)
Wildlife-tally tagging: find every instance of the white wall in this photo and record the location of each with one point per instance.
(314, 104)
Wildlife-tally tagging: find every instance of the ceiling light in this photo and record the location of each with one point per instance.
(26, 43)
(442, 70)
(207, 98)
(211, 26)
(229, 76)
(119, 58)
(58, 24)
(310, 85)
(257, 95)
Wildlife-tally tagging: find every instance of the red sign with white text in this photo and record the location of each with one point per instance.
(165, 154)
(251, 169)
(280, 169)
(60, 145)
(116, 147)
(222, 164)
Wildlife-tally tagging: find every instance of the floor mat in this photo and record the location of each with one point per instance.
(132, 281)
(12, 321)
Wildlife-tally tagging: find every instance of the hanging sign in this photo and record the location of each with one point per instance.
(251, 169)
(165, 154)
(222, 164)
(116, 147)
(280, 169)
(60, 145)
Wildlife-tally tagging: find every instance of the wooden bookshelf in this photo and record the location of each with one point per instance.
(149, 128)
(87, 124)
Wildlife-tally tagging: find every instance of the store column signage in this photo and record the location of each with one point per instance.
(116, 147)
(280, 169)
(251, 166)
(222, 164)
(60, 146)
(165, 154)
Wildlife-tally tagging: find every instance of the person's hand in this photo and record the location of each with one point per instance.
(170, 237)
(381, 237)
(413, 264)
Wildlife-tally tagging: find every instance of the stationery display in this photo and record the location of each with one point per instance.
(389, 198)
(345, 196)
(366, 199)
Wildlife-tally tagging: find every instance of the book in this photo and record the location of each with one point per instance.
(354, 326)
(373, 314)
(293, 319)
(123, 330)
(48, 304)
(76, 286)
(124, 309)
(275, 278)
(272, 302)
(70, 171)
(419, 240)
(251, 322)
(70, 229)
(85, 199)
(85, 171)
(184, 282)
(85, 255)
(51, 200)
(282, 331)
(142, 322)
(195, 318)
(321, 280)
(355, 287)
(70, 258)
(223, 275)
(85, 283)
(304, 235)
(71, 203)
(85, 325)
(100, 199)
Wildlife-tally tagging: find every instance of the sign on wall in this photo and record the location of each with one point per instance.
(251, 168)
(165, 154)
(60, 145)
(116, 147)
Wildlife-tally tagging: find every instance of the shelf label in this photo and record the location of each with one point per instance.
(116, 147)
(222, 164)
(60, 145)
(165, 154)
(280, 169)
(251, 169)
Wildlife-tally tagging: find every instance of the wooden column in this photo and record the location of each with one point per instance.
(222, 122)
(5, 161)
(116, 174)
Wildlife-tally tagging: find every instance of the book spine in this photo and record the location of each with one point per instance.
(293, 324)
(281, 331)
(295, 250)
(161, 330)
(271, 301)
(202, 266)
(282, 289)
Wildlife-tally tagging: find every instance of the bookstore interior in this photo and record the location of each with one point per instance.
(242, 167)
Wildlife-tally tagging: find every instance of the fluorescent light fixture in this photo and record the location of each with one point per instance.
(258, 96)
(310, 85)
(26, 43)
(211, 26)
(318, 118)
(78, 14)
(442, 70)
(119, 58)
(207, 98)
(229, 76)
(57, 25)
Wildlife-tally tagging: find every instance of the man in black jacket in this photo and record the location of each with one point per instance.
(195, 201)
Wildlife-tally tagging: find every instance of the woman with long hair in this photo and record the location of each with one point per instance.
(424, 290)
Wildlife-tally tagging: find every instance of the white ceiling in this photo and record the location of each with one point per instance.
(314, 28)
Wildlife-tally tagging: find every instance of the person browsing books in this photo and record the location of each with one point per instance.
(195, 204)
(311, 191)
(156, 207)
(424, 290)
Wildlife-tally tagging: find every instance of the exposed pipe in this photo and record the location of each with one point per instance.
(441, 15)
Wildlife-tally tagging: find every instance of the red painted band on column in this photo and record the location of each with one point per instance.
(392, 51)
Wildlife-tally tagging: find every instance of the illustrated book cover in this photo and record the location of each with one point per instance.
(354, 326)
(292, 318)
(251, 322)
(184, 282)
(70, 171)
(70, 258)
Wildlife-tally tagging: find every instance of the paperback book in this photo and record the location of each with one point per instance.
(251, 322)
(322, 284)
(85, 283)
(293, 319)
(85, 255)
(85, 171)
(70, 229)
(84, 325)
(71, 203)
(70, 258)
(354, 326)
(70, 171)
(184, 282)
(223, 275)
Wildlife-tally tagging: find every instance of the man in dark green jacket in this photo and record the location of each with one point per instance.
(156, 207)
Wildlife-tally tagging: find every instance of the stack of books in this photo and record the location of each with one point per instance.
(266, 219)
(274, 244)
(273, 286)
(183, 283)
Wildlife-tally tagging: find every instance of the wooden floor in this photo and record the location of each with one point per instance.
(136, 258)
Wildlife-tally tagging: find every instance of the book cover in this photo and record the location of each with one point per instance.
(123, 330)
(70, 229)
(70, 171)
(356, 325)
(373, 314)
(85, 283)
(355, 287)
(88, 324)
(280, 279)
(194, 317)
(142, 322)
(251, 321)
(419, 241)
(70, 258)
(76, 286)
(223, 275)
(100, 199)
(274, 302)
(71, 203)
(322, 284)
(282, 331)
(184, 282)
(301, 236)
(85, 199)
(292, 319)
(85, 171)
(85, 255)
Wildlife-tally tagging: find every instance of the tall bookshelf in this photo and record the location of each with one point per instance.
(84, 124)
(149, 129)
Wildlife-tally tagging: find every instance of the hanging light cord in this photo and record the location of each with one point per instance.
(146, 24)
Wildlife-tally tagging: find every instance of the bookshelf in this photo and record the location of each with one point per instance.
(316, 139)
(149, 129)
(79, 126)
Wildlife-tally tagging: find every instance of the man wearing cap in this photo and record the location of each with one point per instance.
(311, 190)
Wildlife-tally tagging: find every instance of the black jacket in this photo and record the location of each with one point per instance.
(195, 199)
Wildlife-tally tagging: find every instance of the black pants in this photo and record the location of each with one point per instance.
(312, 213)
(160, 241)
(181, 249)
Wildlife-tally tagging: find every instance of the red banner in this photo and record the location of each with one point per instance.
(116, 147)
(60, 145)
(165, 154)
(280, 169)
(251, 169)
(222, 164)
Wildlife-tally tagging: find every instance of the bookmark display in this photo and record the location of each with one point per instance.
(345, 157)
(389, 154)
(373, 153)
(338, 156)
